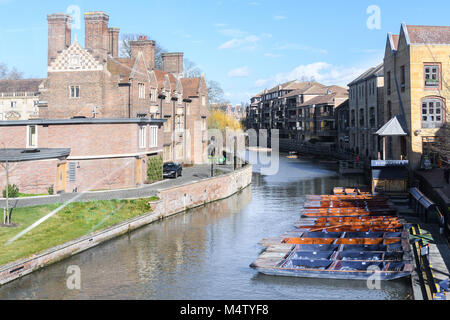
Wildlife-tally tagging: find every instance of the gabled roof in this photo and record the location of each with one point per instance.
(121, 67)
(75, 58)
(21, 85)
(161, 77)
(293, 85)
(325, 99)
(190, 87)
(427, 34)
(377, 71)
(395, 127)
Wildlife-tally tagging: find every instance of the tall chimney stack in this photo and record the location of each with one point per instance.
(147, 47)
(97, 35)
(114, 41)
(173, 62)
(59, 34)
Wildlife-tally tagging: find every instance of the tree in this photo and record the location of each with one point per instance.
(12, 74)
(190, 69)
(215, 92)
(125, 48)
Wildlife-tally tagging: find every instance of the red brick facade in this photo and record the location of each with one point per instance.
(105, 154)
(94, 82)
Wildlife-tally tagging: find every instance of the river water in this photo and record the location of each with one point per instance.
(205, 254)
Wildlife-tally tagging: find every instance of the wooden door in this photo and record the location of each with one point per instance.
(61, 177)
(138, 171)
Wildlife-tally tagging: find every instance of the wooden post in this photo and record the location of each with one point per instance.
(384, 148)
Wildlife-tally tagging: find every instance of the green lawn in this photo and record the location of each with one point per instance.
(72, 222)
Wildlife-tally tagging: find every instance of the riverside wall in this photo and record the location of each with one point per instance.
(172, 201)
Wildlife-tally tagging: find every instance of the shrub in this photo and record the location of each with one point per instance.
(154, 169)
(13, 191)
(51, 190)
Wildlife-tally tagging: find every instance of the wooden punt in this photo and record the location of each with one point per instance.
(367, 241)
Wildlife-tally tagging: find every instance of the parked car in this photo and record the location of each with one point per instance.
(172, 170)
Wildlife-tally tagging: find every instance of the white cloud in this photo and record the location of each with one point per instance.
(239, 72)
(248, 42)
(321, 72)
(279, 18)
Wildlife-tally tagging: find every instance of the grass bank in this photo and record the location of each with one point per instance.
(72, 222)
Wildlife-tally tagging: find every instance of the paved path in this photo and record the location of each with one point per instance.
(189, 175)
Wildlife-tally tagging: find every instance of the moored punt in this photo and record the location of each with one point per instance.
(344, 236)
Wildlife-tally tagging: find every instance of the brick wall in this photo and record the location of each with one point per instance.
(32, 177)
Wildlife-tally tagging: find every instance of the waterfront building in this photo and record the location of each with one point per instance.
(19, 99)
(416, 76)
(303, 112)
(76, 155)
(94, 82)
(366, 94)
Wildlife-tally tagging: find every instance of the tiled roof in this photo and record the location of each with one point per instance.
(190, 87)
(160, 75)
(395, 38)
(429, 34)
(325, 99)
(21, 85)
(121, 67)
(377, 71)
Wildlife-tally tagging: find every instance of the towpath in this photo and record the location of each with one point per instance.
(191, 174)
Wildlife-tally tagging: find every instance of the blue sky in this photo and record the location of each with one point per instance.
(245, 45)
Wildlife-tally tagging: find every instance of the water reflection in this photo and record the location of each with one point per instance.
(206, 253)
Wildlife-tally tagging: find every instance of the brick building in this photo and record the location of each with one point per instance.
(94, 82)
(76, 155)
(416, 75)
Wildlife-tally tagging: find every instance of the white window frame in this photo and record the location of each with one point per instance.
(142, 137)
(74, 96)
(141, 90)
(29, 141)
(153, 136)
(429, 119)
(430, 74)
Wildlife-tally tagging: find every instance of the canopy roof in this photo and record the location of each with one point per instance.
(395, 127)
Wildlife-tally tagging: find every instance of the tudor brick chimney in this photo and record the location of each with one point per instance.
(59, 34)
(147, 47)
(97, 34)
(114, 42)
(173, 62)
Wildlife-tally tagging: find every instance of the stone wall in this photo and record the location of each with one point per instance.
(173, 201)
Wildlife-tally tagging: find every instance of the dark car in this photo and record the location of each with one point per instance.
(172, 170)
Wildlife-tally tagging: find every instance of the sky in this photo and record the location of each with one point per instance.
(246, 45)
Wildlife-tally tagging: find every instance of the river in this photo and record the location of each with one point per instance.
(205, 254)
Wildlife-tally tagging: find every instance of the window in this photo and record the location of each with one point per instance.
(32, 137)
(389, 109)
(153, 95)
(72, 172)
(153, 137)
(402, 78)
(388, 81)
(75, 92)
(178, 124)
(141, 90)
(142, 140)
(13, 104)
(432, 76)
(432, 113)
(203, 101)
(168, 125)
